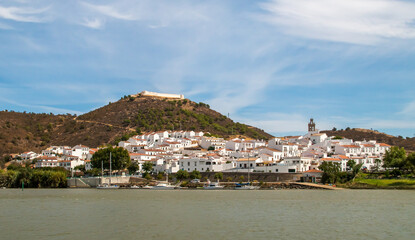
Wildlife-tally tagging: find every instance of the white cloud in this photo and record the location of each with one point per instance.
(243, 90)
(93, 23)
(279, 122)
(409, 109)
(111, 11)
(390, 124)
(154, 14)
(22, 14)
(41, 107)
(351, 21)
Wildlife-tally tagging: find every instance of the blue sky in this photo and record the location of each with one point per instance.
(271, 64)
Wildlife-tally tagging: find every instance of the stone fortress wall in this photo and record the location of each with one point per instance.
(160, 95)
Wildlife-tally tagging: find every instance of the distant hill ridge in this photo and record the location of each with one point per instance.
(359, 134)
(130, 115)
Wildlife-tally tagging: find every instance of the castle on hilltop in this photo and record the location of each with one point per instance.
(159, 95)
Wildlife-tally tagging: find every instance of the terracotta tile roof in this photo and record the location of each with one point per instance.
(246, 159)
(330, 159)
(138, 154)
(48, 158)
(350, 146)
(313, 171)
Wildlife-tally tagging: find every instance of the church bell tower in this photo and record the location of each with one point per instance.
(311, 126)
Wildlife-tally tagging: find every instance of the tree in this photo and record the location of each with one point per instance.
(377, 164)
(195, 175)
(81, 168)
(182, 174)
(211, 148)
(354, 168)
(94, 172)
(219, 176)
(411, 161)
(133, 168)
(331, 172)
(395, 158)
(120, 158)
(147, 167)
(147, 176)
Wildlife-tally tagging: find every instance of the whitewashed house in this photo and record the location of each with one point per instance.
(205, 164)
(234, 144)
(29, 155)
(217, 143)
(277, 155)
(47, 162)
(318, 137)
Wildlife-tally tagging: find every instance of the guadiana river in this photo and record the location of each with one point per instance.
(198, 214)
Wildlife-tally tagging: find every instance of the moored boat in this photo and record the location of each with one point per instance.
(212, 186)
(245, 186)
(163, 186)
(107, 186)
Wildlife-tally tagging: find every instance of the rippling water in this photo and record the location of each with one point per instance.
(198, 214)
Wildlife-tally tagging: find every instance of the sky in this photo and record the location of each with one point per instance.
(272, 64)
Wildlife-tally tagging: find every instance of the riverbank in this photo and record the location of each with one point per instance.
(380, 184)
(128, 182)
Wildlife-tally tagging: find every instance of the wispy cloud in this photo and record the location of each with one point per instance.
(21, 14)
(93, 23)
(390, 124)
(43, 108)
(409, 109)
(278, 123)
(110, 11)
(351, 21)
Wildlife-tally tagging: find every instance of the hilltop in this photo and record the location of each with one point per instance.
(114, 122)
(360, 134)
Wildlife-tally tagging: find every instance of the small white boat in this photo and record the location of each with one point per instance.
(212, 186)
(147, 187)
(135, 187)
(245, 186)
(163, 186)
(107, 186)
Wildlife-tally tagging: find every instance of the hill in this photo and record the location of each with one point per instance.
(359, 134)
(114, 122)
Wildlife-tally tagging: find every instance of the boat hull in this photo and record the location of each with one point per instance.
(247, 188)
(213, 188)
(108, 187)
(163, 188)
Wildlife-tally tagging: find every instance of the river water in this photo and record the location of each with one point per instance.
(198, 214)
